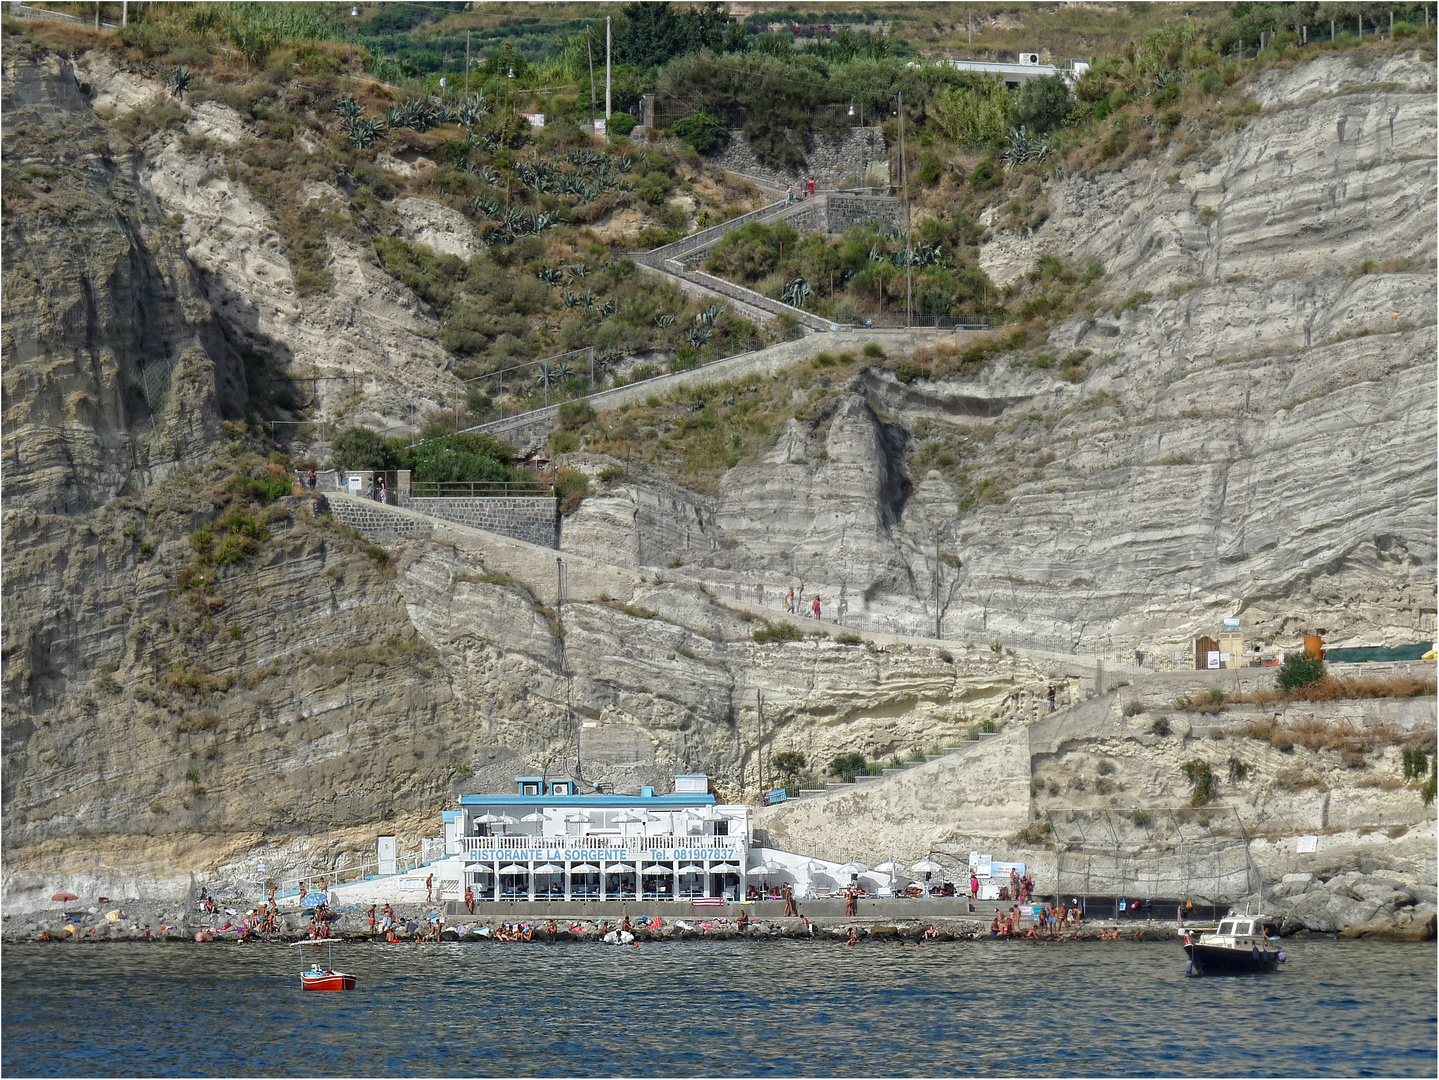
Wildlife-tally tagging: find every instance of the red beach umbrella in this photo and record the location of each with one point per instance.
(64, 896)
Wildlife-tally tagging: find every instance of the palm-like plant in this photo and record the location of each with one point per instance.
(179, 79)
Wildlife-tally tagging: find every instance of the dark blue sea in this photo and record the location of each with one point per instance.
(1338, 1008)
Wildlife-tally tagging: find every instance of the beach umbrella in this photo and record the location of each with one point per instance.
(577, 818)
(62, 897)
(763, 869)
(853, 867)
(584, 868)
(487, 819)
(548, 868)
(889, 866)
(619, 868)
(691, 868)
(514, 868)
(538, 815)
(656, 871)
(926, 866)
(724, 868)
(505, 819)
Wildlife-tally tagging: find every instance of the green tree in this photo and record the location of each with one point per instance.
(360, 448)
(1042, 104)
(702, 130)
(1298, 670)
(848, 765)
(789, 763)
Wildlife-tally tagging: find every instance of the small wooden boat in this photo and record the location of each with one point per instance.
(1238, 947)
(326, 978)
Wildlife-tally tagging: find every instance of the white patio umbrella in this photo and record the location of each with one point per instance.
(548, 868)
(763, 869)
(577, 818)
(487, 819)
(514, 868)
(725, 868)
(889, 866)
(656, 871)
(505, 819)
(619, 868)
(853, 867)
(585, 868)
(538, 815)
(691, 868)
(926, 866)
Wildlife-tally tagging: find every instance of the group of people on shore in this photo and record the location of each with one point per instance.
(1046, 922)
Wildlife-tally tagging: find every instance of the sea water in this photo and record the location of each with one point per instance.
(744, 1008)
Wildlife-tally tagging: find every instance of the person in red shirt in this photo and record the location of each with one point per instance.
(815, 607)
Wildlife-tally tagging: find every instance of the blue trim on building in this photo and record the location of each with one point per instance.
(595, 802)
(451, 815)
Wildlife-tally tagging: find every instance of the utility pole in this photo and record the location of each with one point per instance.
(590, 48)
(125, 14)
(908, 242)
(971, 27)
(607, 76)
(467, 63)
(759, 741)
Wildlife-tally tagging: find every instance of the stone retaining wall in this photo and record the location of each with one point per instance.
(857, 156)
(376, 521)
(533, 520)
(843, 212)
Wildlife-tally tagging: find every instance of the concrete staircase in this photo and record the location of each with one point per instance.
(677, 260)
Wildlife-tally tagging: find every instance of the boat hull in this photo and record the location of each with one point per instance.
(327, 980)
(1217, 960)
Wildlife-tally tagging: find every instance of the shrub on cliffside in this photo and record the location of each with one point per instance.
(1298, 670)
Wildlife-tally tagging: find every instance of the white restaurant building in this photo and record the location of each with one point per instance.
(548, 842)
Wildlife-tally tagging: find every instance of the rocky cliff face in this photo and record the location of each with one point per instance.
(115, 368)
(1258, 443)
(1256, 440)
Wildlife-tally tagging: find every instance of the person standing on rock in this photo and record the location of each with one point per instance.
(314, 479)
(851, 905)
(814, 608)
(1051, 699)
(973, 885)
(470, 898)
(789, 601)
(789, 908)
(429, 888)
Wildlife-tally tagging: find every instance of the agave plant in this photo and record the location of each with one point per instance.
(364, 133)
(1024, 148)
(554, 374)
(483, 207)
(606, 359)
(569, 298)
(588, 299)
(710, 314)
(179, 79)
(548, 274)
(797, 292)
(664, 322)
(697, 335)
(348, 108)
(579, 270)
(609, 307)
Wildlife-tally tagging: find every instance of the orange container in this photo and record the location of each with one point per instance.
(1314, 646)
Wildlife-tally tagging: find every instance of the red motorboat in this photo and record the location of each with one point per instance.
(325, 978)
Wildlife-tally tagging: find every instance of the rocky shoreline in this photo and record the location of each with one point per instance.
(140, 921)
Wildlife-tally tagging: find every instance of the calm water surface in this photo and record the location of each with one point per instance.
(1338, 1008)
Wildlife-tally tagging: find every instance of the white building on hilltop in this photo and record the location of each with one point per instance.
(548, 842)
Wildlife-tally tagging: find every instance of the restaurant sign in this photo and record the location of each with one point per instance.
(620, 852)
